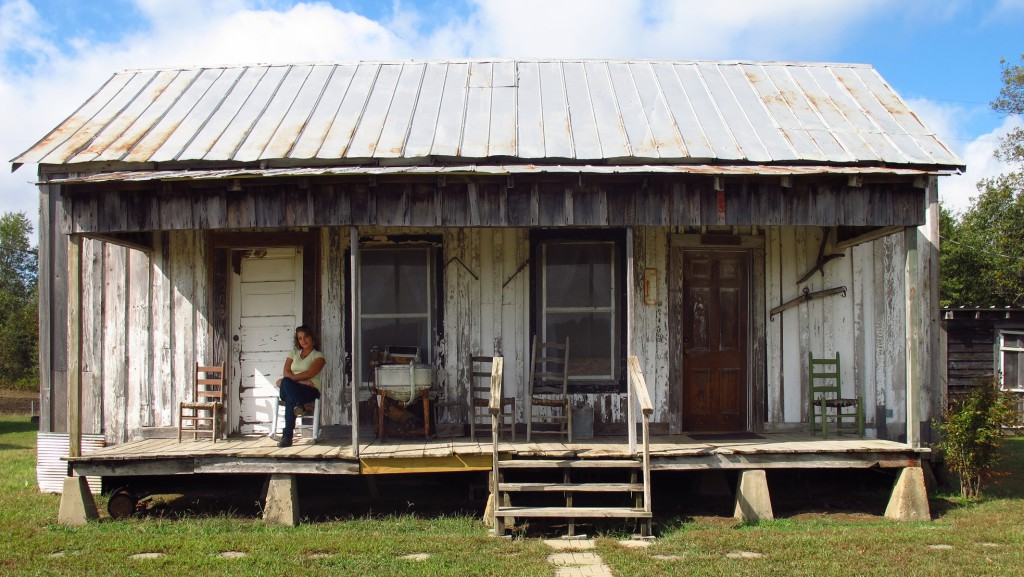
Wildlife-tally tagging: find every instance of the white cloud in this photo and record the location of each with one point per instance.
(956, 192)
(947, 121)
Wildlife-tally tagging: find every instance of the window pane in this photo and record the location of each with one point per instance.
(590, 341)
(1011, 370)
(395, 281)
(578, 274)
(1013, 341)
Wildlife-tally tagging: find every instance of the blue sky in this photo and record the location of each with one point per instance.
(942, 56)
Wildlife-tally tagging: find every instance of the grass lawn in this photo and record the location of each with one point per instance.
(984, 538)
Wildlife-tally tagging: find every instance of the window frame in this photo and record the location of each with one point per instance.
(539, 239)
(435, 271)
(1003, 349)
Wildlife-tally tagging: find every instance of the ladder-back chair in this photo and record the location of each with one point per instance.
(826, 402)
(203, 414)
(548, 389)
(480, 398)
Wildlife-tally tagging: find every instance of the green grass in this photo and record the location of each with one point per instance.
(33, 544)
(987, 538)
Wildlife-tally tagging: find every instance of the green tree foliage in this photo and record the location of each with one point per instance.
(18, 304)
(1011, 101)
(982, 257)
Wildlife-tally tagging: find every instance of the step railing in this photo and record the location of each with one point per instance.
(638, 390)
(494, 407)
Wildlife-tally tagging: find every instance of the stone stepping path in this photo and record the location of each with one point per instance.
(575, 558)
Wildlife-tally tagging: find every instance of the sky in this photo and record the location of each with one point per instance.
(941, 56)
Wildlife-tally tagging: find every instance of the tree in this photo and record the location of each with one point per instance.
(982, 256)
(18, 303)
(1011, 101)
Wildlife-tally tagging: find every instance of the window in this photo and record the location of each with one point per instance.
(1011, 353)
(579, 294)
(397, 298)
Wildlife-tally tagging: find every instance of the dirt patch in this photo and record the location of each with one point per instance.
(18, 402)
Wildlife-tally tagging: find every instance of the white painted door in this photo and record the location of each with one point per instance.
(266, 306)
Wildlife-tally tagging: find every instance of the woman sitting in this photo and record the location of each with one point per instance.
(301, 382)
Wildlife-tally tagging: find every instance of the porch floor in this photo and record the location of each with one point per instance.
(334, 456)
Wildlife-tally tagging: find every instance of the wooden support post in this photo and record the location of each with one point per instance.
(357, 359)
(753, 502)
(77, 505)
(75, 346)
(630, 299)
(913, 336)
(282, 504)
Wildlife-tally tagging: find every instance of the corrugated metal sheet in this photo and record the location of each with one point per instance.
(512, 169)
(51, 469)
(542, 110)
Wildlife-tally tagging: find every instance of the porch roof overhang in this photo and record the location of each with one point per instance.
(494, 170)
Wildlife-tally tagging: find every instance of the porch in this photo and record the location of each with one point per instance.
(261, 455)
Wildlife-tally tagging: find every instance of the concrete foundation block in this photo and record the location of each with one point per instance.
(282, 504)
(753, 502)
(77, 505)
(909, 500)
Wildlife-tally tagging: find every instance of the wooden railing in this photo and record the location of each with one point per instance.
(638, 388)
(494, 407)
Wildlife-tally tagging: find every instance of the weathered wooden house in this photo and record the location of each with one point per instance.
(719, 221)
(983, 345)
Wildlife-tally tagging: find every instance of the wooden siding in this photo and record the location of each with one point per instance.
(99, 209)
(149, 315)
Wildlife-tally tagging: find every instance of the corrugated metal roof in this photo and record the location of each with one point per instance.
(601, 111)
(510, 169)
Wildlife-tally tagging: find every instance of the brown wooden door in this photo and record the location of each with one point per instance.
(715, 336)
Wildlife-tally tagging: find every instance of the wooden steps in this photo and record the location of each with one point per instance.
(576, 512)
(578, 487)
(570, 464)
(596, 484)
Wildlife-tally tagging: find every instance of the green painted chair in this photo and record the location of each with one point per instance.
(826, 403)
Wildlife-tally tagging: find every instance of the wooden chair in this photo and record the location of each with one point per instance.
(309, 419)
(826, 400)
(480, 398)
(203, 414)
(548, 389)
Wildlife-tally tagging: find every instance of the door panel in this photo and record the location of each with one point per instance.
(715, 339)
(265, 309)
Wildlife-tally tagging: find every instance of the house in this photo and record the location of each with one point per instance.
(983, 345)
(719, 221)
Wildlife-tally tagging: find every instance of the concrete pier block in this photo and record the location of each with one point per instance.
(282, 504)
(77, 505)
(753, 502)
(909, 500)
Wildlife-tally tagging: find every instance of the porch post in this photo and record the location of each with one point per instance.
(913, 334)
(77, 505)
(357, 362)
(630, 298)
(925, 389)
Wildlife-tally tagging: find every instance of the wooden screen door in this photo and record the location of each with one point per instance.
(716, 311)
(266, 307)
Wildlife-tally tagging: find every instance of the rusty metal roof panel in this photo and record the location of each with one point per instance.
(473, 110)
(491, 170)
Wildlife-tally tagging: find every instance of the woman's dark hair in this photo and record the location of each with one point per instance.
(309, 332)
